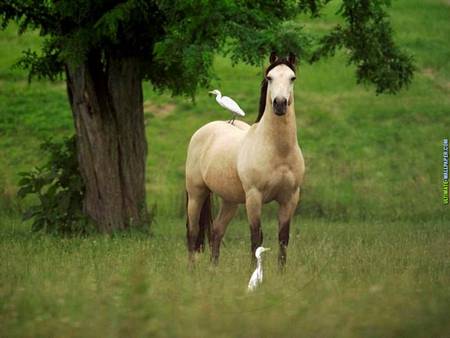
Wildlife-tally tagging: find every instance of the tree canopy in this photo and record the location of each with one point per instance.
(175, 41)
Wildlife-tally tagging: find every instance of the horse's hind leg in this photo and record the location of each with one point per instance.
(285, 213)
(196, 199)
(226, 213)
(253, 204)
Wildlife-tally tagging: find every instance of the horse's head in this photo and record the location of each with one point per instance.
(278, 84)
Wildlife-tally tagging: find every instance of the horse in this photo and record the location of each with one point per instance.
(250, 165)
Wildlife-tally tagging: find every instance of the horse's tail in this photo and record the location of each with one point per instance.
(205, 225)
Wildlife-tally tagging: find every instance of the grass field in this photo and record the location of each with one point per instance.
(355, 279)
(369, 255)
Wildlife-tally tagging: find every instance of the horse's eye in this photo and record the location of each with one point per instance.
(268, 78)
(293, 78)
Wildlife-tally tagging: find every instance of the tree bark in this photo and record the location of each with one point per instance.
(107, 106)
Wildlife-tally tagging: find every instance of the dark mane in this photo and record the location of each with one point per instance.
(262, 98)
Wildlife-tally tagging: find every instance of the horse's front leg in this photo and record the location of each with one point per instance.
(253, 204)
(285, 213)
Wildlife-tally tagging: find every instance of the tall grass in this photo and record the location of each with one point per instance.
(354, 279)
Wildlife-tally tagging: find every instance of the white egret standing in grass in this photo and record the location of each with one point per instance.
(228, 103)
(257, 276)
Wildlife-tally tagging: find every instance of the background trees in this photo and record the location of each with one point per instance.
(105, 49)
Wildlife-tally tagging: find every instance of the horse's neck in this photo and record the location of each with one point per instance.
(279, 130)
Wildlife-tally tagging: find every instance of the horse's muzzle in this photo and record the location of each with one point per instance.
(280, 106)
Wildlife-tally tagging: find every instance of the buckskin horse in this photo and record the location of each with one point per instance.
(247, 164)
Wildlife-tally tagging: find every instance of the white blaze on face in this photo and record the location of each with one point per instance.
(280, 84)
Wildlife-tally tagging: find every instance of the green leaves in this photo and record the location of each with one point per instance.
(175, 41)
(58, 189)
(286, 38)
(47, 65)
(367, 36)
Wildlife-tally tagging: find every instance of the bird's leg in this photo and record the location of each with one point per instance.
(232, 120)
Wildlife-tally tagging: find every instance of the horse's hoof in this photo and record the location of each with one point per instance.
(214, 261)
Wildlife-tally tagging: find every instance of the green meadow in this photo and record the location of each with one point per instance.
(369, 253)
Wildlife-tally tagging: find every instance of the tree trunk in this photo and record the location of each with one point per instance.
(107, 106)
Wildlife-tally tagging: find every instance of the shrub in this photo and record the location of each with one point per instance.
(59, 189)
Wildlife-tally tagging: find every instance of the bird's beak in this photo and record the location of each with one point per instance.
(211, 92)
(266, 249)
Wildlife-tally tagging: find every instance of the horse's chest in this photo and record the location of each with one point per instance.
(282, 181)
(275, 177)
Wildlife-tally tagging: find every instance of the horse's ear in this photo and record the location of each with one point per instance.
(273, 57)
(292, 59)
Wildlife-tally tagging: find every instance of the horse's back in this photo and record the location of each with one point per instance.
(212, 158)
(217, 132)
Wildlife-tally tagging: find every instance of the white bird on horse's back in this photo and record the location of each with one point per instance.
(228, 103)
